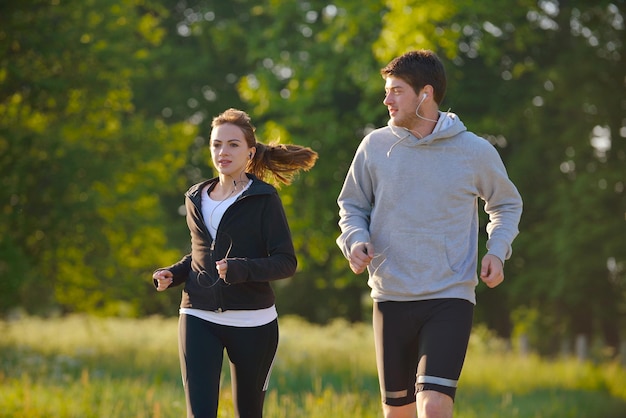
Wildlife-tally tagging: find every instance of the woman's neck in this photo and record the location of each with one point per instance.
(228, 186)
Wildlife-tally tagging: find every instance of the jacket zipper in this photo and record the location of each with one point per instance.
(218, 294)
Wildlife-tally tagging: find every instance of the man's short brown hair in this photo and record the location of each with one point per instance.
(419, 68)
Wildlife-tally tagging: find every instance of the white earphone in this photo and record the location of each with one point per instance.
(424, 96)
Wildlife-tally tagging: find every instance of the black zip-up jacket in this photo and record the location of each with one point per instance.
(254, 236)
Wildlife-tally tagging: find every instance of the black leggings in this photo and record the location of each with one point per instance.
(251, 353)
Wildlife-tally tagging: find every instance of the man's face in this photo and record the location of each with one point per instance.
(401, 102)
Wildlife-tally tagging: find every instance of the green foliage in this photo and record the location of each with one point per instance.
(81, 169)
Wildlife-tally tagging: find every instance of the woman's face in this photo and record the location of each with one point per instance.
(229, 151)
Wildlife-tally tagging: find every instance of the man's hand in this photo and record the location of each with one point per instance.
(491, 270)
(361, 254)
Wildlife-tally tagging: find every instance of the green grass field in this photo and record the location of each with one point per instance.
(103, 367)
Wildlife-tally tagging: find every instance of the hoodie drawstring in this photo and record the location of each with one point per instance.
(398, 141)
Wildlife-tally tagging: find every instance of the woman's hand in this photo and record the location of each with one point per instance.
(222, 268)
(163, 279)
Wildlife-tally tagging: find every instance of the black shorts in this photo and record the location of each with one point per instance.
(420, 345)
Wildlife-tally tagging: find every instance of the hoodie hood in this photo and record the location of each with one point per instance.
(448, 125)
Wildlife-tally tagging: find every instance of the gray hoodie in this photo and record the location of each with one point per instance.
(416, 201)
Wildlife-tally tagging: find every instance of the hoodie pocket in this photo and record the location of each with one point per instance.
(414, 263)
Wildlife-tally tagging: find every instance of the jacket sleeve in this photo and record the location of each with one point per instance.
(355, 204)
(280, 262)
(180, 270)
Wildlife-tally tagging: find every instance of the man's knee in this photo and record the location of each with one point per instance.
(432, 404)
(405, 411)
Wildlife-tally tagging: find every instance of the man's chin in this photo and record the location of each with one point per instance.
(396, 122)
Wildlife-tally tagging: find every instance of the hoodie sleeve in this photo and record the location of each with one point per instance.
(503, 203)
(355, 203)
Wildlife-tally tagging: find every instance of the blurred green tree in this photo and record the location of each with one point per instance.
(81, 169)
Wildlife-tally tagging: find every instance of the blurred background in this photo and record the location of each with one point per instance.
(105, 110)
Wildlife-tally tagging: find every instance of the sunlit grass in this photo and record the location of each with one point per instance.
(104, 367)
